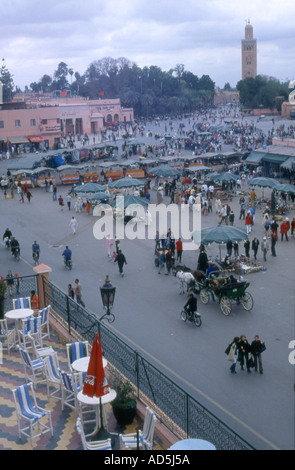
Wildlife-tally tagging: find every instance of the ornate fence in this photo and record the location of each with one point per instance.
(176, 409)
(20, 286)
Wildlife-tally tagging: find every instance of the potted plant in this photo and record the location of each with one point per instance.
(3, 288)
(124, 405)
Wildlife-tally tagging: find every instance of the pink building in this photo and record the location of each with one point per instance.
(45, 120)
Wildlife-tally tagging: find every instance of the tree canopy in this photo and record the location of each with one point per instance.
(149, 90)
(262, 91)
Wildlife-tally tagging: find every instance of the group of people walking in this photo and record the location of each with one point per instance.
(248, 355)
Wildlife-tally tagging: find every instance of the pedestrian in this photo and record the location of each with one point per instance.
(242, 210)
(264, 247)
(109, 245)
(244, 351)
(54, 190)
(73, 225)
(231, 218)
(29, 196)
(292, 226)
(273, 241)
(69, 201)
(285, 227)
(232, 353)
(88, 207)
(248, 223)
(71, 292)
(179, 250)
(9, 282)
(223, 215)
(247, 248)
(257, 348)
(203, 260)
(274, 228)
(229, 247)
(78, 293)
(236, 249)
(266, 225)
(61, 203)
(121, 260)
(21, 199)
(34, 300)
(255, 245)
(162, 262)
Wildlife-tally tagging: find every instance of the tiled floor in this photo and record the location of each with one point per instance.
(64, 422)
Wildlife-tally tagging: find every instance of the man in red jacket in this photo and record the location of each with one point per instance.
(285, 227)
(248, 223)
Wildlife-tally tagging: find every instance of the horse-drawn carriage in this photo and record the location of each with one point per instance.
(226, 290)
(222, 287)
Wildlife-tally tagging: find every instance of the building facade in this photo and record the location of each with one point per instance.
(45, 120)
(249, 54)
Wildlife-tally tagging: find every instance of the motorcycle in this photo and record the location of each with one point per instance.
(16, 253)
(35, 257)
(68, 263)
(7, 242)
(195, 318)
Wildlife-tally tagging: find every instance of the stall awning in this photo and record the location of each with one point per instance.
(254, 158)
(18, 140)
(274, 158)
(35, 139)
(289, 164)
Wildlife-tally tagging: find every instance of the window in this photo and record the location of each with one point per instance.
(1, 124)
(17, 123)
(33, 122)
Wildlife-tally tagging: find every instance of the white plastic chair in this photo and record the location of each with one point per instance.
(7, 335)
(22, 302)
(93, 445)
(145, 437)
(36, 367)
(28, 410)
(77, 351)
(40, 352)
(31, 327)
(53, 376)
(68, 391)
(45, 314)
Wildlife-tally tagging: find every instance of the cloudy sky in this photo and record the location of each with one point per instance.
(204, 35)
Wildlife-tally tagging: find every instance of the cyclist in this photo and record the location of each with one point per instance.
(191, 305)
(67, 254)
(36, 250)
(14, 246)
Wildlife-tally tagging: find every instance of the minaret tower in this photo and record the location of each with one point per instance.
(249, 53)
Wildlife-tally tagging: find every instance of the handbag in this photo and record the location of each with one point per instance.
(231, 356)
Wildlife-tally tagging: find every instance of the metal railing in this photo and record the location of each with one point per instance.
(19, 286)
(182, 414)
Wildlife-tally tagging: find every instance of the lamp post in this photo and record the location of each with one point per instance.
(107, 292)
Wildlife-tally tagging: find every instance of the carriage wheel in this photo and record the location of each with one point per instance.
(183, 315)
(225, 305)
(204, 296)
(247, 301)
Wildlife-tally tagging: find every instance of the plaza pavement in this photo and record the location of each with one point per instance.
(147, 309)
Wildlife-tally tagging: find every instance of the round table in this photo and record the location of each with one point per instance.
(19, 313)
(192, 444)
(81, 365)
(100, 433)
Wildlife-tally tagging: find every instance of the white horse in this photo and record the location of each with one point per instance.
(186, 280)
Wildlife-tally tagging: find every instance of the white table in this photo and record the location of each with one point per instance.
(81, 365)
(18, 315)
(100, 433)
(192, 444)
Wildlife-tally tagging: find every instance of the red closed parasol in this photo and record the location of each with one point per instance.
(96, 384)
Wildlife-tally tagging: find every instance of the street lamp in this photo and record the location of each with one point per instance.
(107, 292)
